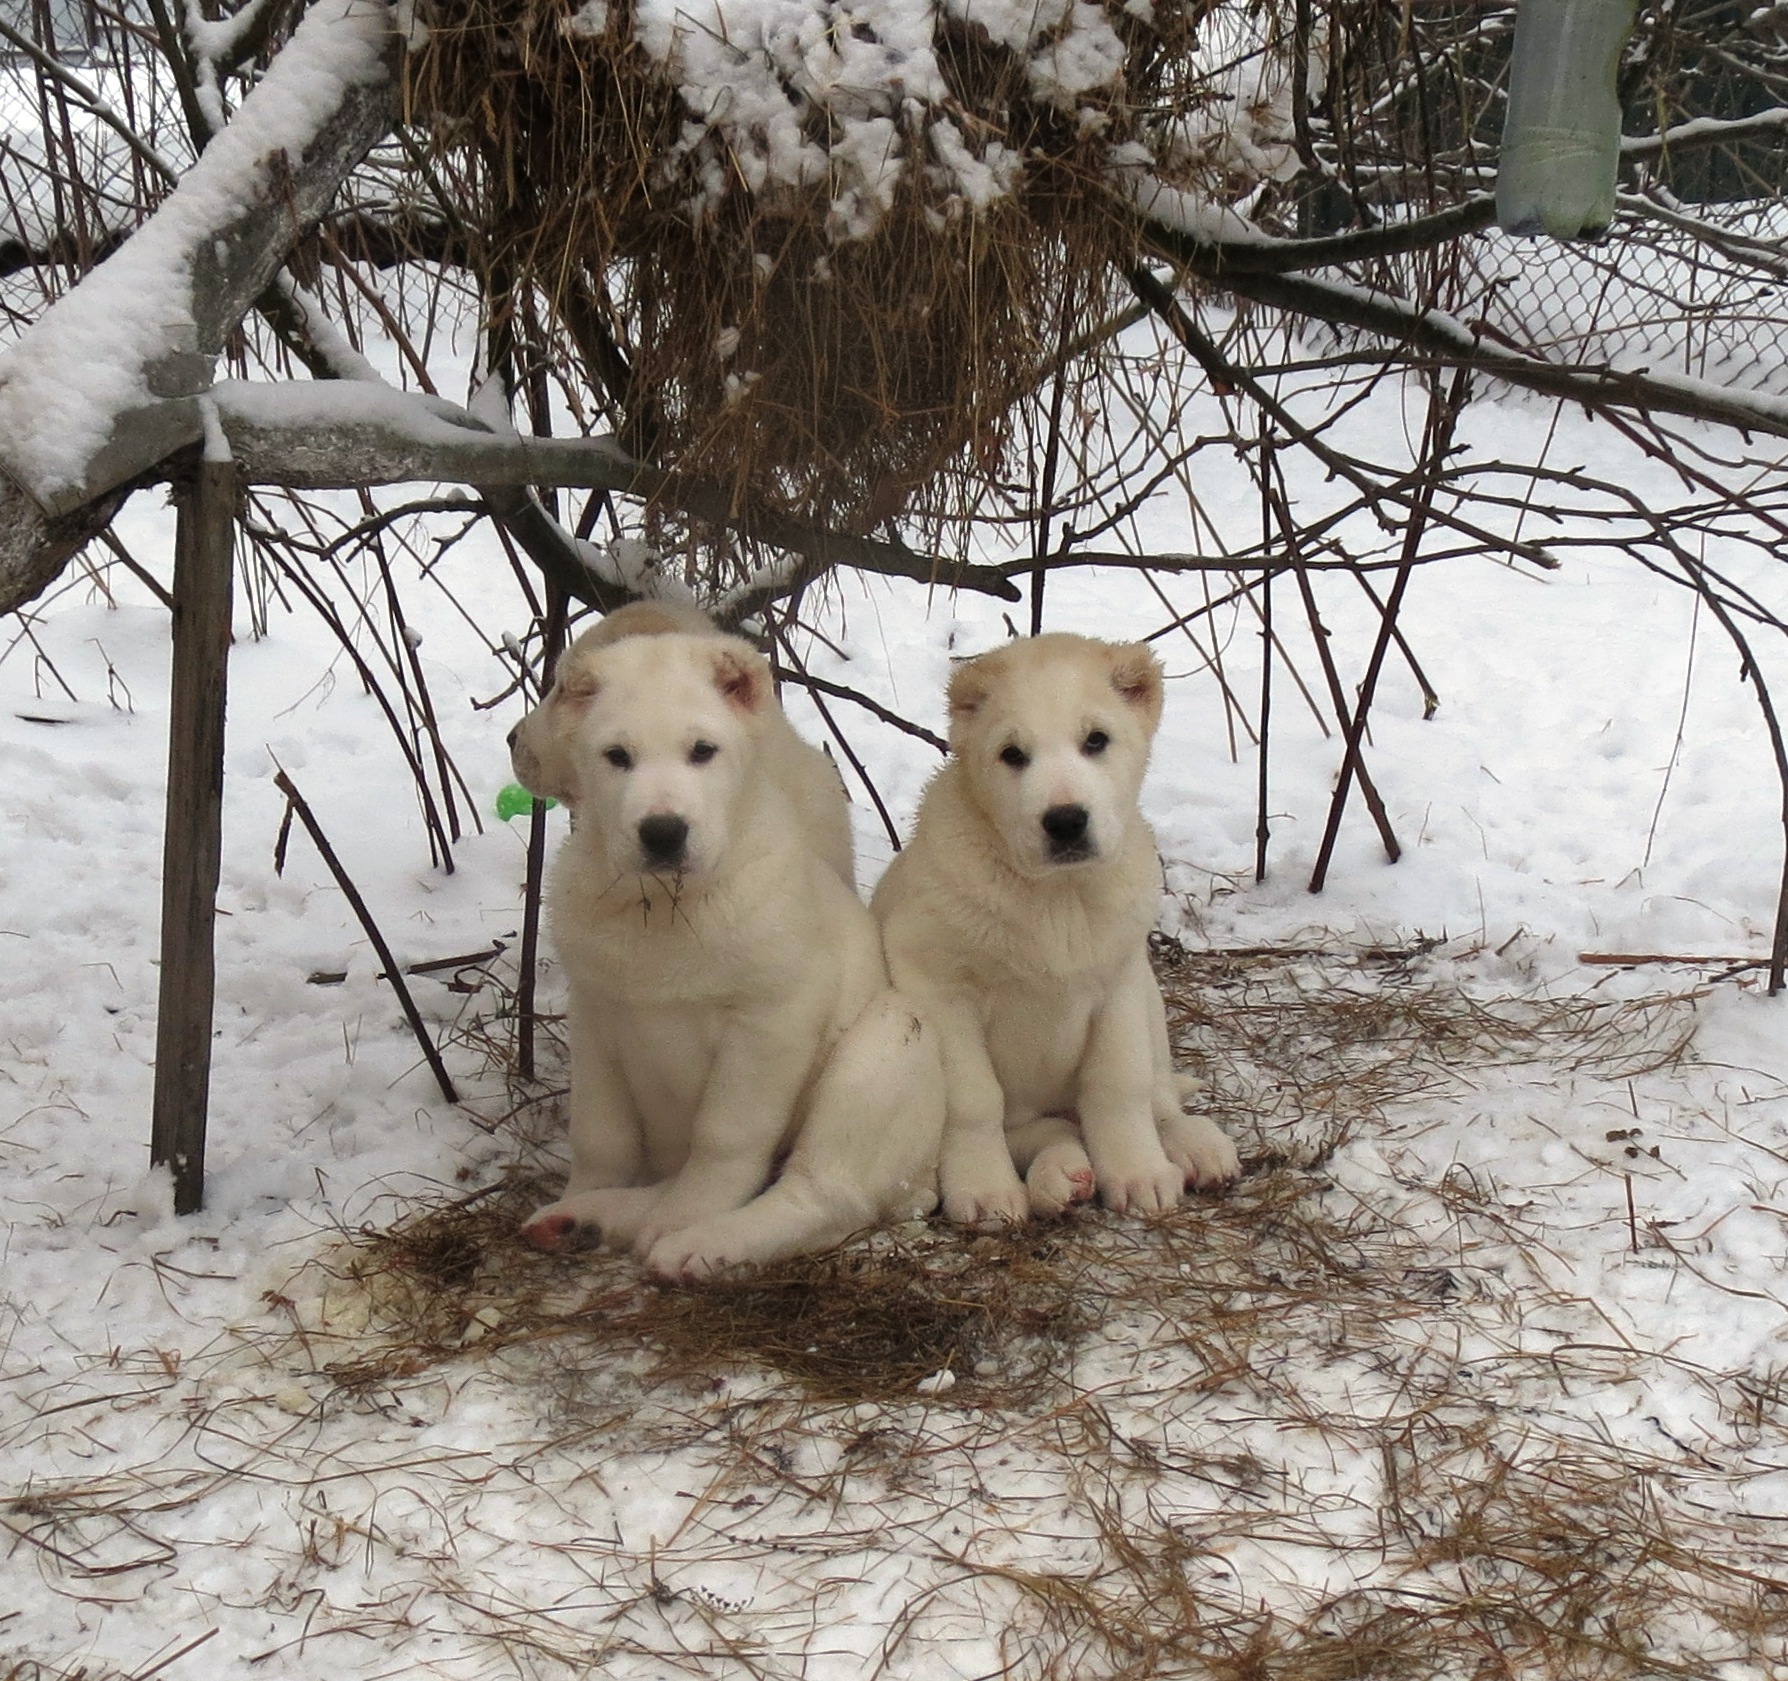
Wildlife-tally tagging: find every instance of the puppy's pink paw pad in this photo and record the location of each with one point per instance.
(1080, 1186)
(551, 1233)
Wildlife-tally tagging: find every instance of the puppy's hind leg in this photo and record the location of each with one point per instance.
(793, 1217)
(1051, 1155)
(1198, 1147)
(612, 1216)
(867, 1153)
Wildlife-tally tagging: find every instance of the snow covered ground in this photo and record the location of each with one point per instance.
(1604, 1229)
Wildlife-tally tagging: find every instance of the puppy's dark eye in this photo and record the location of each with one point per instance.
(619, 757)
(1095, 744)
(1015, 756)
(702, 752)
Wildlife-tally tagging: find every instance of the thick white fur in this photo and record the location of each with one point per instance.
(1034, 968)
(744, 1082)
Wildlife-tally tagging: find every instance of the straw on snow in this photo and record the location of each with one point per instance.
(1274, 1434)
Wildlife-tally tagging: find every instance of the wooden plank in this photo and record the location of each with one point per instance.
(192, 839)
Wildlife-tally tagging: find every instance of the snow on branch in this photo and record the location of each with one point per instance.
(335, 434)
(339, 434)
(78, 392)
(762, 80)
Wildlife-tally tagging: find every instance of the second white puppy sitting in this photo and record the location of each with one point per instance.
(1019, 916)
(744, 1082)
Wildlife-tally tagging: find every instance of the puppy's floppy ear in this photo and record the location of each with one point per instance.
(540, 756)
(742, 675)
(1136, 675)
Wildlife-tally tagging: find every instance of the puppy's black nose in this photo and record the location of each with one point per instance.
(1066, 826)
(510, 737)
(662, 837)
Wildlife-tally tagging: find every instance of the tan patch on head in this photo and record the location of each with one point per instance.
(647, 618)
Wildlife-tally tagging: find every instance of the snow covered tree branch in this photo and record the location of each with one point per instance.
(1306, 163)
(340, 435)
(80, 409)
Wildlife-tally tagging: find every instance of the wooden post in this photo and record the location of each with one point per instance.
(192, 841)
(552, 644)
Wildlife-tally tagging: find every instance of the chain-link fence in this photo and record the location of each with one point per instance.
(1671, 299)
(1692, 278)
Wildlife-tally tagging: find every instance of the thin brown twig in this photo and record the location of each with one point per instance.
(392, 971)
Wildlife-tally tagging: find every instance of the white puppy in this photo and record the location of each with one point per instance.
(1018, 915)
(744, 1082)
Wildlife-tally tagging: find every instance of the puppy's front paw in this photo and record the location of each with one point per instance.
(1147, 1188)
(683, 1257)
(1059, 1177)
(1202, 1151)
(668, 1220)
(982, 1188)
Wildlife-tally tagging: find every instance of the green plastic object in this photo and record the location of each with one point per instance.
(1561, 138)
(513, 800)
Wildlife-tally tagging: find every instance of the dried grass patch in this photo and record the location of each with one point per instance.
(1300, 1049)
(1298, 1053)
(869, 1321)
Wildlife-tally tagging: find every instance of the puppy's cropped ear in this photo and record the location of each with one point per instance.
(576, 682)
(742, 675)
(1136, 675)
(969, 687)
(540, 745)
